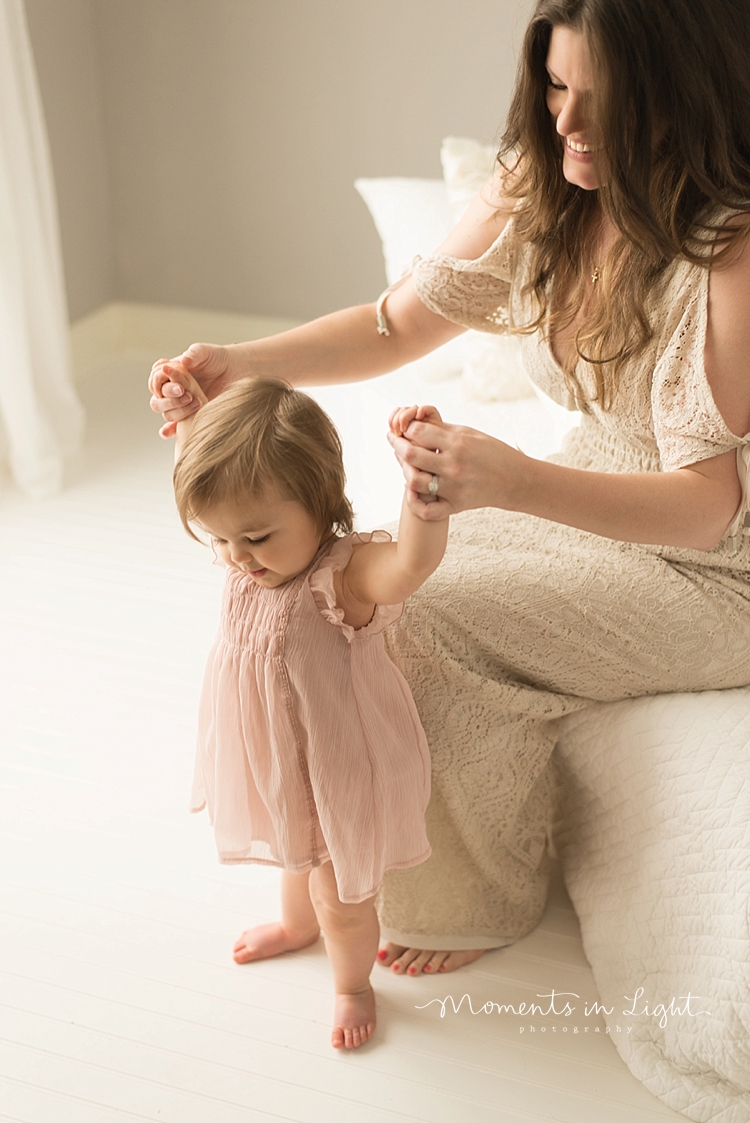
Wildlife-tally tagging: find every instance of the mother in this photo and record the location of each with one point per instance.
(614, 238)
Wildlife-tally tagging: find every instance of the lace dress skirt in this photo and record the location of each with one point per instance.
(525, 622)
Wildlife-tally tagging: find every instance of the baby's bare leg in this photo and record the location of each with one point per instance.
(351, 935)
(297, 928)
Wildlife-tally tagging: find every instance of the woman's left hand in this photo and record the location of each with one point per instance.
(472, 469)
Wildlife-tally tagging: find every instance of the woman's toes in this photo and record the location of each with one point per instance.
(415, 961)
(389, 953)
(420, 963)
(435, 962)
(403, 963)
(456, 959)
(410, 961)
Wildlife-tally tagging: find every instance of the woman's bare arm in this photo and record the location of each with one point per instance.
(341, 347)
(691, 507)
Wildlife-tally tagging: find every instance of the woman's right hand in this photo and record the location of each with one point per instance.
(211, 365)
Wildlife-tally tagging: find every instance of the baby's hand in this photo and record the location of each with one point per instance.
(176, 384)
(402, 417)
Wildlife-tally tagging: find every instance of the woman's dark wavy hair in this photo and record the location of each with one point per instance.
(677, 71)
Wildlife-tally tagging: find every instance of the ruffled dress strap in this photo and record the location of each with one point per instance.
(324, 593)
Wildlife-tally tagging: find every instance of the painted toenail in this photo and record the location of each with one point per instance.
(382, 953)
(412, 971)
(427, 967)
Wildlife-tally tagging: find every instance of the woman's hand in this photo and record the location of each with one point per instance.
(212, 368)
(472, 469)
(398, 424)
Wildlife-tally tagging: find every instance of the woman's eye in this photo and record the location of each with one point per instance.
(555, 85)
(257, 541)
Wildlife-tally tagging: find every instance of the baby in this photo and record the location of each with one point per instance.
(311, 755)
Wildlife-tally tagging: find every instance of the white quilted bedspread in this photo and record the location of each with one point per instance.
(656, 852)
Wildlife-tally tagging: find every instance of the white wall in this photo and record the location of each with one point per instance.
(233, 130)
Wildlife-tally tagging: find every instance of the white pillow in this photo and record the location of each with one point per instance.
(467, 165)
(412, 217)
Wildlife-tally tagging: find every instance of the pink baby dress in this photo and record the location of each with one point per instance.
(309, 743)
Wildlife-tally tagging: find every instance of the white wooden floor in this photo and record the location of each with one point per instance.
(120, 1000)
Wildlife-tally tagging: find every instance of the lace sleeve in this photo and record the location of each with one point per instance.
(475, 294)
(687, 424)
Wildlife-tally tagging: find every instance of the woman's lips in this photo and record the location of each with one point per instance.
(258, 572)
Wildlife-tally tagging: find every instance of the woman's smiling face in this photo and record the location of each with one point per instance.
(569, 100)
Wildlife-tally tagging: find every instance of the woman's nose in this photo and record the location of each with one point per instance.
(571, 118)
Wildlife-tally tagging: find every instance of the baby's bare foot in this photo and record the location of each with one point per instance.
(353, 1019)
(413, 961)
(270, 939)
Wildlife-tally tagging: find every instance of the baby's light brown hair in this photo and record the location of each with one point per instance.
(261, 434)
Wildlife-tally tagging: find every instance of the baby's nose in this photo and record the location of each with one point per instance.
(241, 554)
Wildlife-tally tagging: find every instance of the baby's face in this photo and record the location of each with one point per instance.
(269, 538)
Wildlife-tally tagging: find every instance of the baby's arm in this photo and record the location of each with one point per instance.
(184, 427)
(389, 572)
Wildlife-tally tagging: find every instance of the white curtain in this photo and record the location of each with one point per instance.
(40, 415)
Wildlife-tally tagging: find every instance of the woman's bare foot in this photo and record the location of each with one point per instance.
(270, 939)
(414, 961)
(353, 1019)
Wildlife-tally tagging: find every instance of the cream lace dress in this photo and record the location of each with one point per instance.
(528, 620)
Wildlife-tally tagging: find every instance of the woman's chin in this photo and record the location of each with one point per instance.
(580, 174)
(582, 177)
